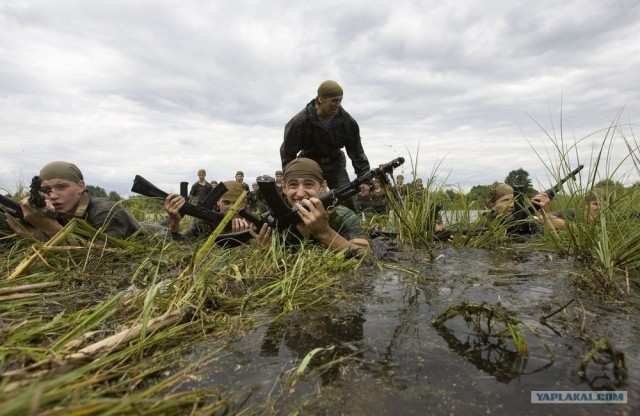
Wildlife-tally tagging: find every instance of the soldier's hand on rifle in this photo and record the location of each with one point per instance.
(172, 205)
(263, 237)
(239, 224)
(314, 216)
(39, 219)
(542, 201)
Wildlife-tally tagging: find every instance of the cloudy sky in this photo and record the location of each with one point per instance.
(469, 89)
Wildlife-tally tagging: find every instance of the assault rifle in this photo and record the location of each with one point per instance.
(36, 199)
(144, 187)
(282, 215)
(11, 207)
(517, 223)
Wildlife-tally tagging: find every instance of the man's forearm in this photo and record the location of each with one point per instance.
(332, 239)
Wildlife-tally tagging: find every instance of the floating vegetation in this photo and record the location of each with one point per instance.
(488, 321)
(603, 354)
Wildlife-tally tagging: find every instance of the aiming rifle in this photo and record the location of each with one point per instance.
(282, 216)
(523, 209)
(36, 199)
(144, 187)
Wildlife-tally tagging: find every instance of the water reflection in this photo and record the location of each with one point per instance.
(302, 332)
(495, 359)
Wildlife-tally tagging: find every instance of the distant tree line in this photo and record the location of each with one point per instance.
(101, 192)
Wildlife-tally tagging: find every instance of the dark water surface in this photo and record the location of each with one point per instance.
(384, 356)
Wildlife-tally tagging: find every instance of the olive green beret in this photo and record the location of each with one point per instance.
(303, 168)
(329, 89)
(234, 190)
(61, 170)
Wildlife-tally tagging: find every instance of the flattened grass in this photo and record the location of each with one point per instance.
(93, 330)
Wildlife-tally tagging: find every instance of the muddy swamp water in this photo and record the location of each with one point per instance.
(379, 353)
(449, 330)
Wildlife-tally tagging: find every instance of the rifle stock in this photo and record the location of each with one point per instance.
(144, 187)
(213, 196)
(11, 207)
(282, 215)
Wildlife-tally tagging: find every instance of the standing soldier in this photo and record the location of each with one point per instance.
(378, 198)
(279, 178)
(200, 189)
(320, 131)
(362, 201)
(400, 187)
(240, 178)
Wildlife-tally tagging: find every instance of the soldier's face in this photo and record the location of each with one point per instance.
(303, 188)
(65, 195)
(328, 106)
(225, 204)
(239, 178)
(504, 205)
(400, 180)
(594, 209)
(254, 186)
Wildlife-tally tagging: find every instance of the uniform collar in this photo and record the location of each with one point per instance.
(82, 205)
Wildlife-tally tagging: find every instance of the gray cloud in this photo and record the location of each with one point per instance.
(164, 88)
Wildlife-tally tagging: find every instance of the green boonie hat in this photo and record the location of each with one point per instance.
(239, 173)
(61, 170)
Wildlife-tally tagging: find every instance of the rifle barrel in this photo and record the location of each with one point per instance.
(144, 187)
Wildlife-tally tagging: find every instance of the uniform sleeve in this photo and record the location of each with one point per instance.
(347, 224)
(117, 223)
(292, 142)
(193, 190)
(355, 151)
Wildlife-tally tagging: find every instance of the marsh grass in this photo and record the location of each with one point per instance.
(92, 329)
(610, 243)
(415, 214)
